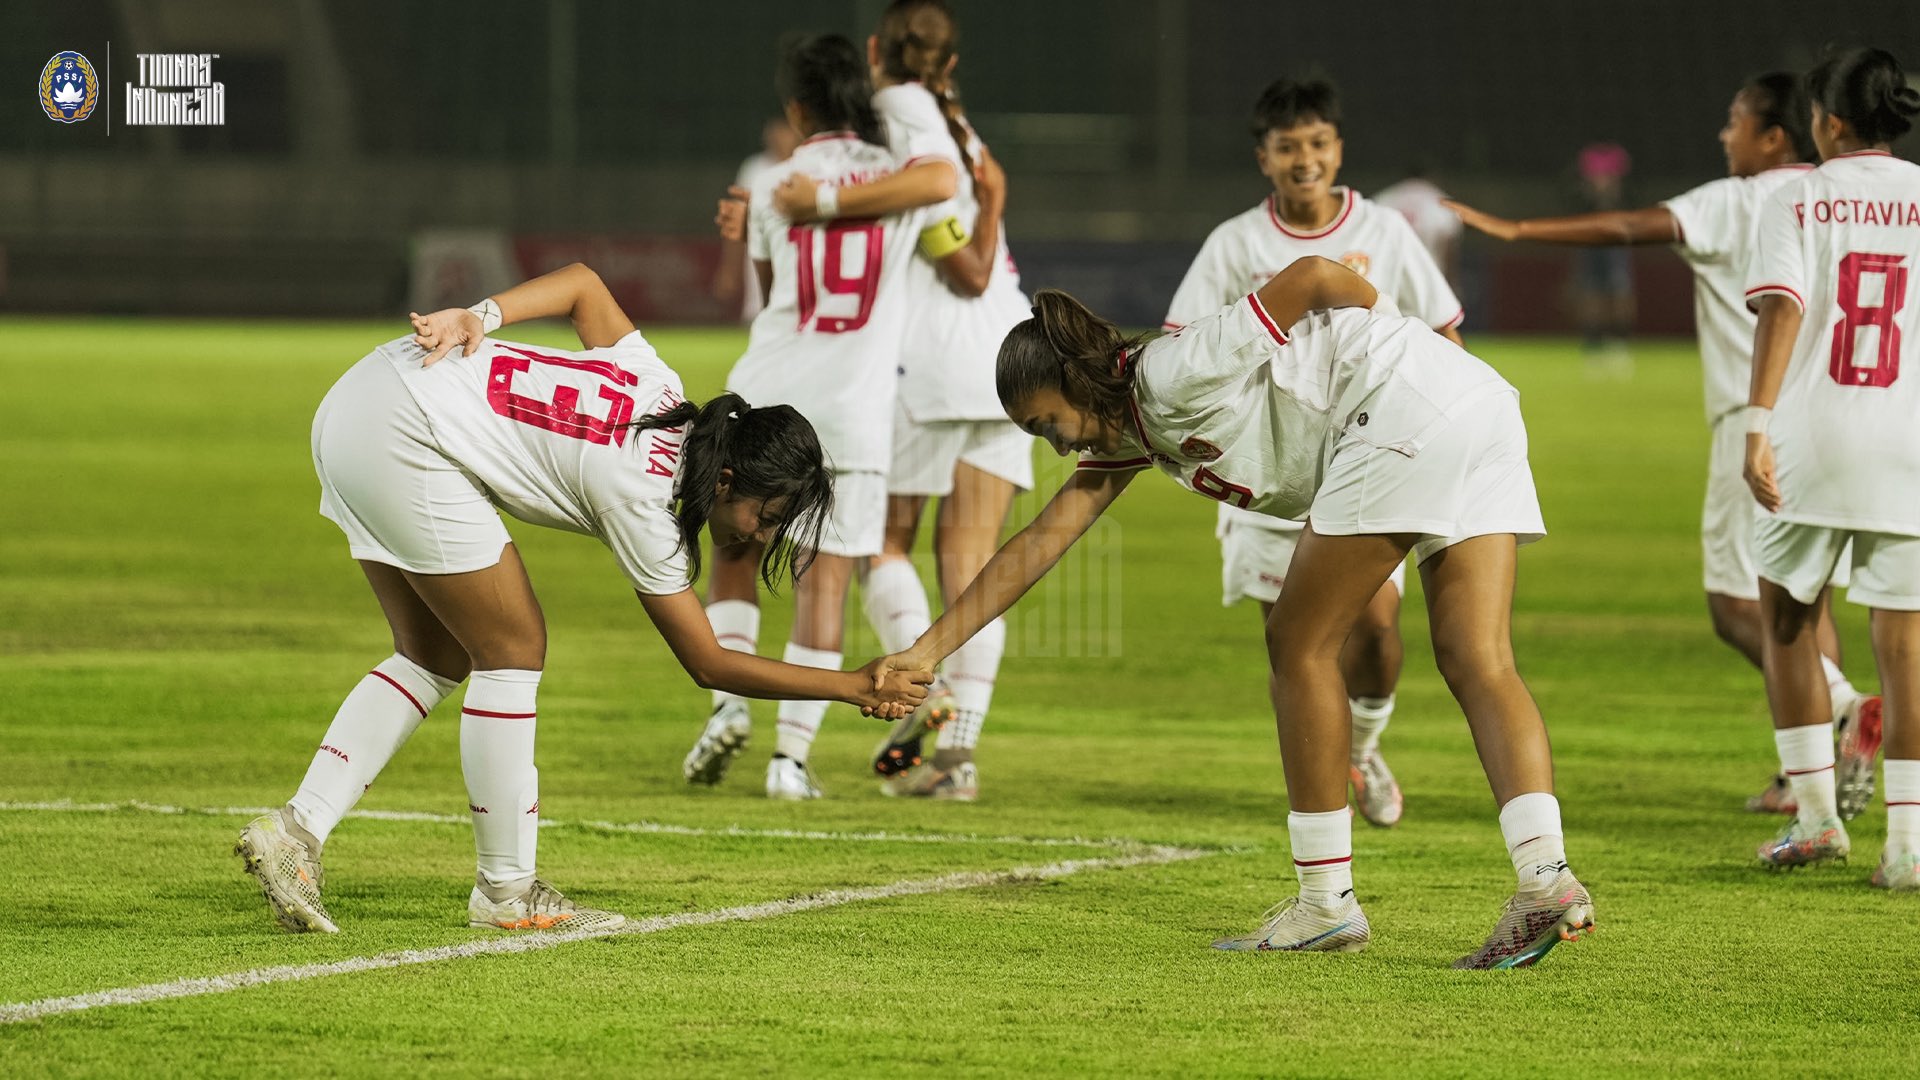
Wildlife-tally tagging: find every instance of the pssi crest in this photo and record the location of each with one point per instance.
(69, 88)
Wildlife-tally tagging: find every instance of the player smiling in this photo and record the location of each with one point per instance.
(1297, 147)
(414, 456)
(1390, 441)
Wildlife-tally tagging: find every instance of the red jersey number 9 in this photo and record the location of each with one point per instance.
(1856, 317)
(833, 277)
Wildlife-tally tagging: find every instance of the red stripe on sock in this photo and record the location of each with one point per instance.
(1804, 772)
(1324, 862)
(1904, 804)
(498, 715)
(388, 679)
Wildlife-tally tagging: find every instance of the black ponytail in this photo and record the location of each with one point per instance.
(1067, 348)
(1779, 99)
(772, 453)
(827, 77)
(1868, 89)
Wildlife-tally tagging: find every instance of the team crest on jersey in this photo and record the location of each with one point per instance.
(1199, 449)
(69, 89)
(1357, 262)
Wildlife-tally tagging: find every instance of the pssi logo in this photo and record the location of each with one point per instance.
(1357, 262)
(69, 89)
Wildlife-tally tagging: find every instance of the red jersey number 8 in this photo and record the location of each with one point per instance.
(834, 279)
(1856, 317)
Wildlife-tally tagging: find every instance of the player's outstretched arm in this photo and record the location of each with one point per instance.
(683, 622)
(1773, 339)
(575, 292)
(1605, 228)
(1016, 567)
(924, 184)
(1312, 283)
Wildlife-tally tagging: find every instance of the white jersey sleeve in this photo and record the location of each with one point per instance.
(1212, 282)
(1711, 220)
(759, 212)
(1417, 286)
(1778, 267)
(644, 537)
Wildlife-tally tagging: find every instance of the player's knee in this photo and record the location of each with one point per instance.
(1469, 664)
(443, 657)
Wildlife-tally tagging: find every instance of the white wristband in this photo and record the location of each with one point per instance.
(1757, 417)
(826, 201)
(489, 313)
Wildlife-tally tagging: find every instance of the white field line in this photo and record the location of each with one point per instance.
(493, 945)
(650, 827)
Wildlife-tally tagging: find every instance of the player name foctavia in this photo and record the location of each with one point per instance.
(177, 89)
(1860, 212)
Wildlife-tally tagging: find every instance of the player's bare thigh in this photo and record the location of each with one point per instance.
(418, 634)
(968, 531)
(492, 613)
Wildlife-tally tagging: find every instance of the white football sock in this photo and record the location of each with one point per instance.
(736, 625)
(1903, 805)
(800, 720)
(1530, 824)
(371, 726)
(503, 787)
(971, 672)
(1806, 756)
(896, 603)
(1322, 854)
(1840, 692)
(1370, 717)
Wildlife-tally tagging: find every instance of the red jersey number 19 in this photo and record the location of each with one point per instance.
(833, 278)
(1855, 269)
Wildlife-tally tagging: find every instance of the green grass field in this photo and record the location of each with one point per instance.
(177, 625)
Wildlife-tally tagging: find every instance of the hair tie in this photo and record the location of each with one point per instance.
(1036, 310)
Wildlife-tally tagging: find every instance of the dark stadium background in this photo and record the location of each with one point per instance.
(353, 125)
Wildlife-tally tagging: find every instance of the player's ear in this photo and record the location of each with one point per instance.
(724, 486)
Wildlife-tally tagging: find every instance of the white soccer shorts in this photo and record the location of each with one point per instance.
(1801, 558)
(925, 454)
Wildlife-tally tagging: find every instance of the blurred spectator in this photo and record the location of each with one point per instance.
(1602, 285)
(730, 279)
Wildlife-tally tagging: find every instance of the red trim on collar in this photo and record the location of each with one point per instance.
(1273, 215)
(1861, 153)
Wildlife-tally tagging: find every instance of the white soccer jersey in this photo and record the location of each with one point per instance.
(1247, 414)
(1716, 239)
(752, 175)
(546, 432)
(952, 342)
(1418, 201)
(1844, 244)
(829, 337)
(1245, 251)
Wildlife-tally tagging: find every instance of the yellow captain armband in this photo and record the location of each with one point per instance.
(942, 239)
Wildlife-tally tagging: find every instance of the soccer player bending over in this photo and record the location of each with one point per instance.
(414, 456)
(1833, 447)
(1300, 401)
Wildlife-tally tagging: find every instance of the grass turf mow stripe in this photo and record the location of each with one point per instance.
(221, 984)
(1122, 843)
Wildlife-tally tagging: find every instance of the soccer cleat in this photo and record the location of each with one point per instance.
(1795, 846)
(1375, 792)
(1899, 871)
(1859, 743)
(1775, 798)
(958, 784)
(791, 780)
(1296, 926)
(901, 749)
(1532, 924)
(288, 872)
(725, 736)
(541, 907)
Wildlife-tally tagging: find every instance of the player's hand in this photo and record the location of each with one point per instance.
(1497, 227)
(910, 660)
(889, 695)
(1758, 471)
(989, 179)
(794, 198)
(442, 331)
(731, 217)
